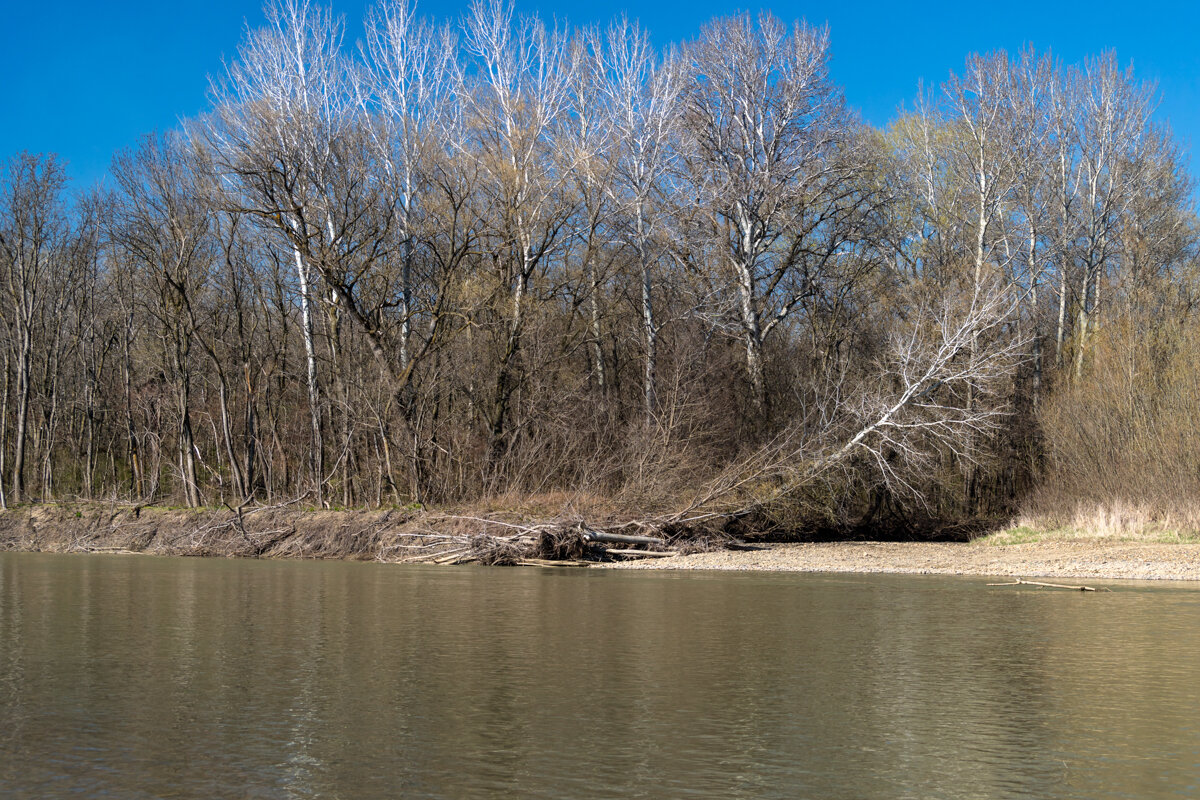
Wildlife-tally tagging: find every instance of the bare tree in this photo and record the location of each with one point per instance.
(587, 146)
(892, 429)
(32, 229)
(772, 164)
(1031, 87)
(162, 225)
(408, 106)
(983, 158)
(643, 92)
(278, 115)
(97, 332)
(1114, 119)
(517, 101)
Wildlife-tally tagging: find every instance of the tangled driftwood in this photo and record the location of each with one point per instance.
(495, 542)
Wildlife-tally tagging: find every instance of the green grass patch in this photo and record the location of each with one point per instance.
(1028, 534)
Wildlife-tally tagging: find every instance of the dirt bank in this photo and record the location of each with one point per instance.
(1094, 558)
(417, 535)
(283, 532)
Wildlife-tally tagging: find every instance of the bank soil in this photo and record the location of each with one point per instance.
(275, 532)
(416, 535)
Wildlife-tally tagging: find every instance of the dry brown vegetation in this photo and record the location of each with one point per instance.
(549, 528)
(510, 274)
(1123, 443)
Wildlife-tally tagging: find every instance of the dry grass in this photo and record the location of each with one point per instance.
(1122, 443)
(1116, 521)
(541, 505)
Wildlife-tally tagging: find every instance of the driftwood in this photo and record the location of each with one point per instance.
(1020, 582)
(590, 535)
(496, 542)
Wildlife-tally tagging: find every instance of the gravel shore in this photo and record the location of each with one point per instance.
(1060, 559)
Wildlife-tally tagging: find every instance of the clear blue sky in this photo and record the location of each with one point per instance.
(85, 78)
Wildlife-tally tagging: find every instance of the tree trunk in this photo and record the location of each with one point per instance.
(4, 426)
(1034, 274)
(187, 445)
(136, 486)
(596, 343)
(752, 335)
(24, 356)
(235, 469)
(649, 388)
(316, 456)
(505, 378)
(1084, 319)
(250, 436)
(1060, 331)
(89, 463)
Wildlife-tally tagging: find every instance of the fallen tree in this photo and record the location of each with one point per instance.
(935, 398)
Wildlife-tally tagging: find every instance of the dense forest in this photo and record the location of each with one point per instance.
(446, 264)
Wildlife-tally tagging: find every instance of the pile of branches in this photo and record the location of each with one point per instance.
(498, 542)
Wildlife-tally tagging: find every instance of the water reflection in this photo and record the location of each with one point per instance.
(145, 677)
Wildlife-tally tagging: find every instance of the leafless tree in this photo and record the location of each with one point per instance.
(1113, 121)
(894, 428)
(161, 224)
(643, 92)
(278, 114)
(32, 230)
(587, 146)
(1031, 87)
(406, 97)
(773, 160)
(517, 100)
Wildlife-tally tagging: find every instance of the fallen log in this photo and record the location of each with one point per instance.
(619, 538)
(746, 546)
(1020, 582)
(641, 553)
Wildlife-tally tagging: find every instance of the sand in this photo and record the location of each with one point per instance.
(1090, 558)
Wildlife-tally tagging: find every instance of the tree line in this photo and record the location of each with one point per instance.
(451, 262)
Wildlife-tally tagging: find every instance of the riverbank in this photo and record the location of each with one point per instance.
(417, 535)
(1083, 558)
(283, 531)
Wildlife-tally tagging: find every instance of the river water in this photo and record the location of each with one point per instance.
(141, 677)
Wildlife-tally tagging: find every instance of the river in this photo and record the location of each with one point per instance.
(148, 677)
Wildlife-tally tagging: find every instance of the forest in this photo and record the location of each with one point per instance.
(465, 264)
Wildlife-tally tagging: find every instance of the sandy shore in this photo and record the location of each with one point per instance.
(1060, 559)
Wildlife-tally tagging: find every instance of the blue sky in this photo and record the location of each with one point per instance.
(84, 79)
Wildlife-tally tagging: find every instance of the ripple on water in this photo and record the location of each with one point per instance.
(149, 677)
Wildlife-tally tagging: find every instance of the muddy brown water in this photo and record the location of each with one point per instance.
(146, 677)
